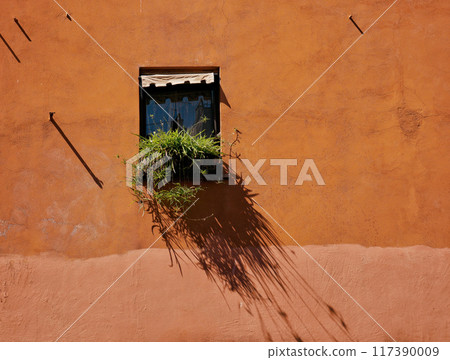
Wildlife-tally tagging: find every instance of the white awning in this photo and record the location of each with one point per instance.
(175, 79)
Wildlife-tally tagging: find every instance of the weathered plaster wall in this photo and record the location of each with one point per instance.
(43, 295)
(376, 125)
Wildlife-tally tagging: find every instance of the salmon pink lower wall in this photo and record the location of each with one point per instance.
(406, 290)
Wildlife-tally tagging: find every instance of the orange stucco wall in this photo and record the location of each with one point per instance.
(376, 125)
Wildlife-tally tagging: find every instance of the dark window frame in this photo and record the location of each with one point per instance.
(154, 91)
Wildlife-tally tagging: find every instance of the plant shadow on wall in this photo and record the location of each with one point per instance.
(235, 245)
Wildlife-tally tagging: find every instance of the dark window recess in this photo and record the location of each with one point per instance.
(191, 107)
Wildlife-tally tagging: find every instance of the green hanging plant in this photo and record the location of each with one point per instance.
(182, 148)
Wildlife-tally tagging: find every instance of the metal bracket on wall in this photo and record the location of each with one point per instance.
(354, 23)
